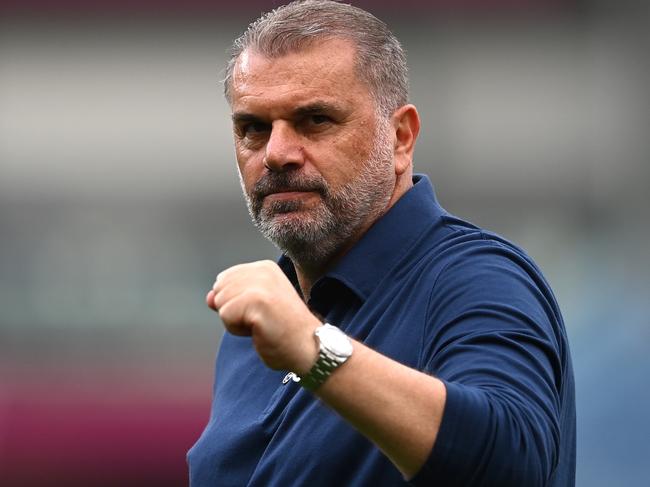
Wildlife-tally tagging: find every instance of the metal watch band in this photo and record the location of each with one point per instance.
(319, 372)
(328, 360)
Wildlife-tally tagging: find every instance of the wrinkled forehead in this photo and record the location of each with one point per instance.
(330, 63)
(329, 67)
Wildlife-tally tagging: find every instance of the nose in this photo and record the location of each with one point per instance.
(284, 150)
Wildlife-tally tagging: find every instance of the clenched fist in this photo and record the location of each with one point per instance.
(257, 300)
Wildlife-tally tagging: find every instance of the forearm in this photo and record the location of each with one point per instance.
(396, 407)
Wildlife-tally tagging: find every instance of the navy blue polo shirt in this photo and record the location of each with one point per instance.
(439, 295)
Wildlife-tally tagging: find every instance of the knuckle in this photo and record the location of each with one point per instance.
(257, 295)
(229, 317)
(217, 300)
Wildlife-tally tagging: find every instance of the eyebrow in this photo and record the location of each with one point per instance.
(243, 117)
(317, 107)
(298, 112)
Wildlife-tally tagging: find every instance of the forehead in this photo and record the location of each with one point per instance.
(326, 70)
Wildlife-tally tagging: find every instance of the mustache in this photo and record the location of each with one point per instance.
(280, 182)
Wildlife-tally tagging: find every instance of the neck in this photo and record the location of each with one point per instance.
(306, 281)
(308, 272)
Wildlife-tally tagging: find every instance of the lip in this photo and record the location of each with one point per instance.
(289, 195)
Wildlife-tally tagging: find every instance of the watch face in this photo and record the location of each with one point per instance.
(335, 340)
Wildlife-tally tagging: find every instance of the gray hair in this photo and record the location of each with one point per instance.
(380, 59)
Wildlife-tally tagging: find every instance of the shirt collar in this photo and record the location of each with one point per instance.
(363, 267)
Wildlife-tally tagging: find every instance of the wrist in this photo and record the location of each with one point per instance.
(307, 353)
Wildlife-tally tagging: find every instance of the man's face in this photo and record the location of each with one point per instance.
(316, 162)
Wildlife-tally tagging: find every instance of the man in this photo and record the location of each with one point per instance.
(444, 360)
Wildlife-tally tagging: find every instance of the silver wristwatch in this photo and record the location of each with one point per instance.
(334, 348)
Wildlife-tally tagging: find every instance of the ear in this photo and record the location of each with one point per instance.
(406, 123)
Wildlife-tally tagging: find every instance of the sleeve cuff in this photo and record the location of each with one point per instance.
(461, 440)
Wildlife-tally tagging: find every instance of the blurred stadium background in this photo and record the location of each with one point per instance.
(119, 202)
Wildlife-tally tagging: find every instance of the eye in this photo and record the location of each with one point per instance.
(320, 119)
(316, 122)
(254, 128)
